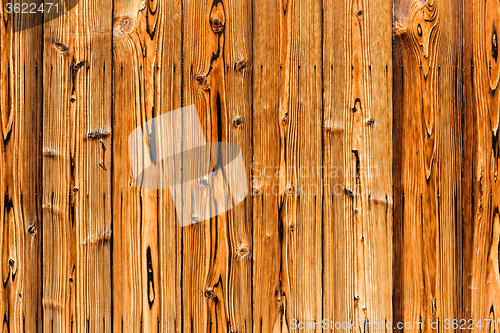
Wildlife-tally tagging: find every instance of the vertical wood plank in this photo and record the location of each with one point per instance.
(128, 278)
(147, 85)
(267, 193)
(217, 289)
(287, 164)
(468, 147)
(357, 126)
(147, 77)
(206, 244)
(77, 169)
(238, 72)
(427, 58)
(20, 172)
(59, 256)
(481, 146)
(169, 97)
(300, 111)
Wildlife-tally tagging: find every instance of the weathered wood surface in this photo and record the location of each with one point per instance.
(146, 238)
(357, 134)
(21, 73)
(76, 199)
(428, 157)
(369, 131)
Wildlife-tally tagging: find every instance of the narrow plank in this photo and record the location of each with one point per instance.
(287, 164)
(238, 75)
(428, 50)
(205, 275)
(146, 248)
(267, 192)
(217, 288)
(59, 230)
(357, 126)
(300, 111)
(77, 169)
(92, 165)
(482, 148)
(169, 98)
(468, 164)
(20, 172)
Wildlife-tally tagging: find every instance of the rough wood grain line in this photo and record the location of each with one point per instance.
(77, 179)
(482, 231)
(428, 47)
(268, 298)
(20, 173)
(147, 259)
(357, 173)
(300, 109)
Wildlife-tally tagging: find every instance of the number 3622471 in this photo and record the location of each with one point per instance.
(31, 8)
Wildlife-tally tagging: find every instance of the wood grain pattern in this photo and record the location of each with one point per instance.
(301, 158)
(428, 114)
(267, 190)
(146, 248)
(20, 174)
(481, 259)
(357, 126)
(369, 131)
(217, 288)
(77, 170)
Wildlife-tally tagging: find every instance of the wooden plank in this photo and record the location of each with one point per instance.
(58, 255)
(426, 58)
(76, 170)
(357, 126)
(206, 244)
(481, 147)
(468, 147)
(20, 172)
(287, 143)
(146, 248)
(300, 111)
(216, 254)
(268, 298)
(238, 76)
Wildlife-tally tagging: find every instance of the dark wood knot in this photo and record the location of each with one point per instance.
(238, 122)
(32, 229)
(61, 47)
(202, 81)
(242, 251)
(125, 25)
(284, 119)
(240, 64)
(216, 25)
(209, 293)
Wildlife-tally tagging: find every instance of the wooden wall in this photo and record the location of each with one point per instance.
(369, 130)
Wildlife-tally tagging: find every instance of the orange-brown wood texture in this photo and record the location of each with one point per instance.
(21, 73)
(428, 113)
(369, 132)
